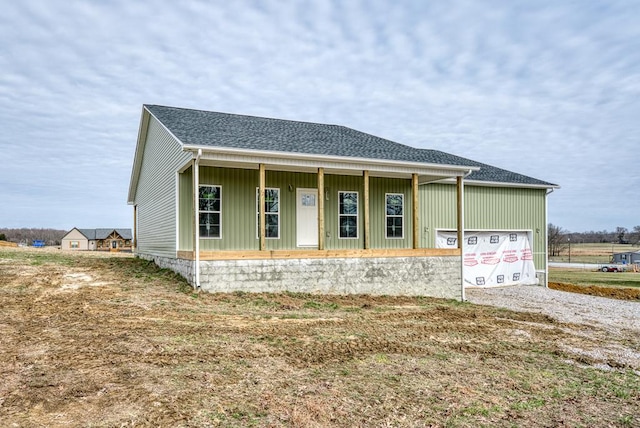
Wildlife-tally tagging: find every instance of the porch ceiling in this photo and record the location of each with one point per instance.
(336, 166)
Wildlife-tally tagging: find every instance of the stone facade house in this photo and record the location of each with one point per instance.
(98, 239)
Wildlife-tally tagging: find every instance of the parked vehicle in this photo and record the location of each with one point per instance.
(612, 268)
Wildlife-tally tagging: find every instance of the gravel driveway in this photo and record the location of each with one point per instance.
(610, 314)
(613, 326)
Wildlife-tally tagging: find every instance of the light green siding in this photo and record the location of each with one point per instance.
(378, 188)
(239, 209)
(185, 211)
(287, 182)
(486, 208)
(156, 192)
(333, 185)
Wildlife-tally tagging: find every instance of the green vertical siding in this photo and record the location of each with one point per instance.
(288, 182)
(239, 215)
(238, 208)
(332, 185)
(437, 211)
(185, 211)
(378, 188)
(486, 208)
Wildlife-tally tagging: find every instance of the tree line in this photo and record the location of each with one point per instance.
(559, 238)
(27, 235)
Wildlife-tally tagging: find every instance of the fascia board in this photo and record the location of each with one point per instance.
(339, 162)
(480, 183)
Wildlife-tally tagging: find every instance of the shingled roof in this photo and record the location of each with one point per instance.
(101, 233)
(224, 130)
(489, 173)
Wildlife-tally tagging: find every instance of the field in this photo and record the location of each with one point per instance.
(593, 253)
(618, 285)
(104, 341)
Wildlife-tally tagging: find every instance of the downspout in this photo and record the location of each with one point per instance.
(196, 183)
(464, 298)
(546, 237)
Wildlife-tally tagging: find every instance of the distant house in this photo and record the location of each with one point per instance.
(235, 202)
(628, 258)
(98, 240)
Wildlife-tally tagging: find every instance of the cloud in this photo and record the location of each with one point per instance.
(544, 88)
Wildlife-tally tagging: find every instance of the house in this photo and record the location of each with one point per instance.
(97, 239)
(235, 202)
(626, 258)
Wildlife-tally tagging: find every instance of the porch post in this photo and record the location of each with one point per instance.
(367, 238)
(261, 201)
(196, 217)
(460, 203)
(320, 208)
(414, 209)
(460, 221)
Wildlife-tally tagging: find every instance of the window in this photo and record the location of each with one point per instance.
(271, 212)
(210, 210)
(348, 214)
(395, 215)
(74, 244)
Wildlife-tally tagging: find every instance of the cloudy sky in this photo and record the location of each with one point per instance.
(550, 89)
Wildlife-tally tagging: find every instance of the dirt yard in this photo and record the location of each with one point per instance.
(103, 341)
(621, 293)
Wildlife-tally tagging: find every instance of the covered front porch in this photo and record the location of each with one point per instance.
(308, 224)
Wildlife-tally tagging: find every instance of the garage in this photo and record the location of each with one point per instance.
(494, 258)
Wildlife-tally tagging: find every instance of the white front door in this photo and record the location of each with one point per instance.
(307, 217)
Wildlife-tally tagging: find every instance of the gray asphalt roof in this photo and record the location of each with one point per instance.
(491, 173)
(102, 233)
(214, 129)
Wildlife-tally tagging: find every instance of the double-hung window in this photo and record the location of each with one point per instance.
(271, 212)
(395, 215)
(348, 214)
(210, 211)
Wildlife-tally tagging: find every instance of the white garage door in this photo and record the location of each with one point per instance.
(494, 258)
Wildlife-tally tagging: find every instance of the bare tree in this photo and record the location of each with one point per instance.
(557, 240)
(27, 235)
(620, 232)
(635, 235)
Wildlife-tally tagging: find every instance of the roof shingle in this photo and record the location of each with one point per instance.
(214, 129)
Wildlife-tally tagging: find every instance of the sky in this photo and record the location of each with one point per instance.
(549, 89)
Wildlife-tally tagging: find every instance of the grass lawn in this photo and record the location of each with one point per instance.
(115, 341)
(586, 277)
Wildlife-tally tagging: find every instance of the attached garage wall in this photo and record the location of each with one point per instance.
(486, 208)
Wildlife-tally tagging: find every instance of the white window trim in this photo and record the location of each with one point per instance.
(219, 212)
(357, 215)
(258, 212)
(386, 216)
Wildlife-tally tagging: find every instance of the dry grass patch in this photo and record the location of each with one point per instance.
(135, 346)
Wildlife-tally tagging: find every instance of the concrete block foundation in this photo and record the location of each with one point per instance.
(396, 276)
